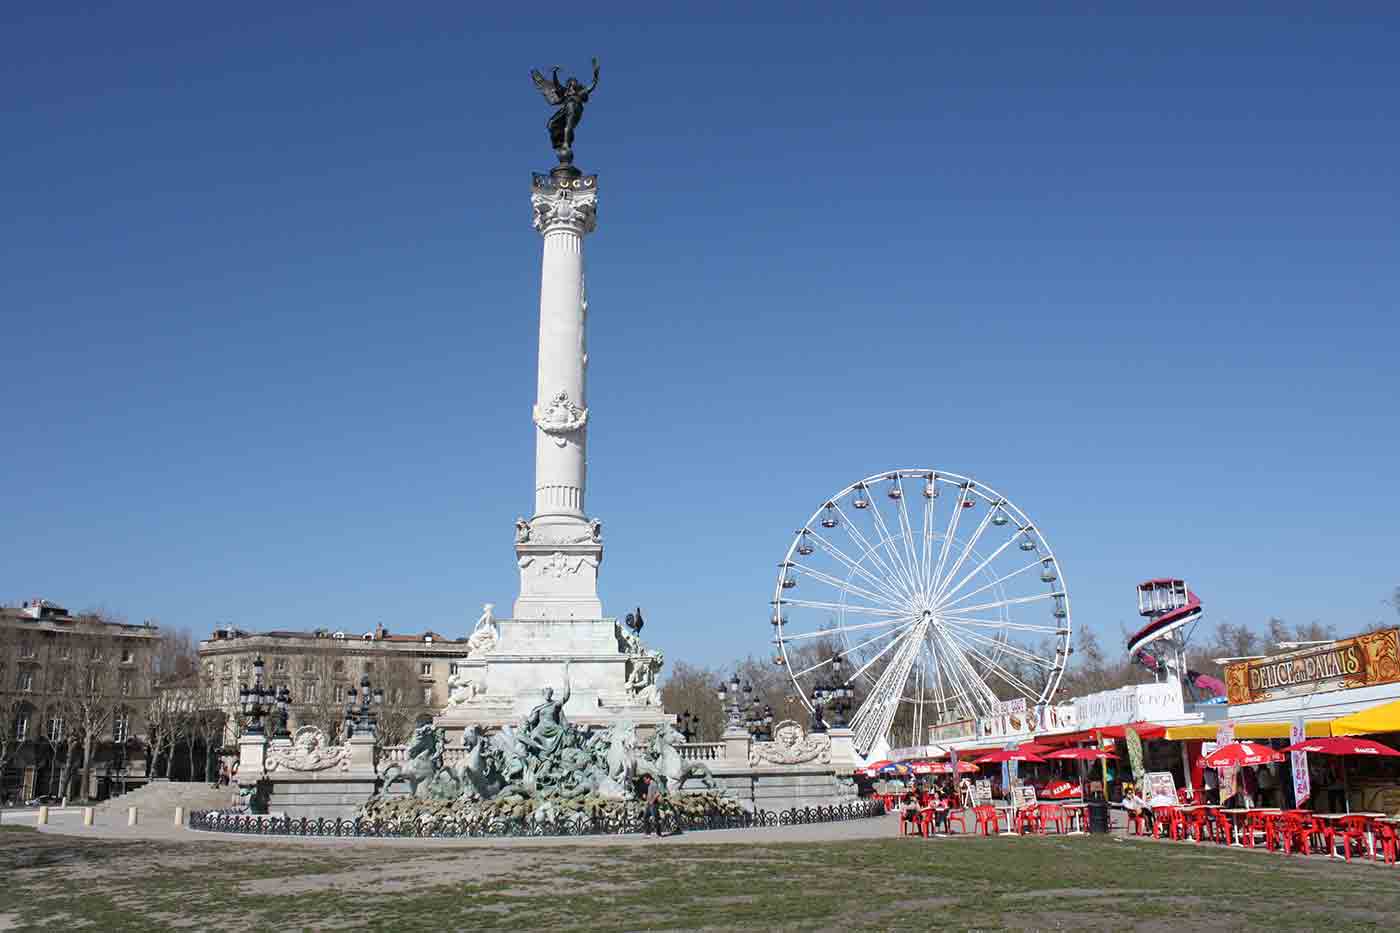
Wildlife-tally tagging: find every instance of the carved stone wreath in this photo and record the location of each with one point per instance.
(560, 417)
(791, 747)
(310, 751)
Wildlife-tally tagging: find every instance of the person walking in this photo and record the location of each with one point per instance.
(652, 801)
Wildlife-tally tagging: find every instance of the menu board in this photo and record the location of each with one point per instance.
(982, 791)
(1161, 785)
(1024, 796)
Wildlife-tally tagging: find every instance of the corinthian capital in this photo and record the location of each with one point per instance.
(571, 203)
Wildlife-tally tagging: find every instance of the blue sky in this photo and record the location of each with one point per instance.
(268, 298)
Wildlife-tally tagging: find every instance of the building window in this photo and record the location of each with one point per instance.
(26, 649)
(279, 664)
(26, 681)
(451, 668)
(65, 650)
(126, 655)
(307, 666)
(397, 695)
(22, 725)
(308, 692)
(55, 727)
(427, 696)
(228, 667)
(242, 666)
(339, 665)
(209, 668)
(226, 694)
(121, 724)
(96, 653)
(126, 686)
(426, 668)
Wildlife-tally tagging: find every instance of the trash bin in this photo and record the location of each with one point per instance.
(1098, 816)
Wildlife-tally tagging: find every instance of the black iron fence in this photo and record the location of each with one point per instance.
(563, 824)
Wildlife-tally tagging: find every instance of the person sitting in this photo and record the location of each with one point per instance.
(909, 813)
(1138, 811)
(941, 805)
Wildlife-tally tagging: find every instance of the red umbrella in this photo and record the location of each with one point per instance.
(1060, 790)
(1242, 755)
(943, 767)
(1343, 745)
(877, 765)
(1079, 754)
(1011, 754)
(1034, 748)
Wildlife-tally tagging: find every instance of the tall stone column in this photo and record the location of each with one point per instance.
(559, 549)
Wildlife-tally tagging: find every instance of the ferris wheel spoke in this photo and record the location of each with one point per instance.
(947, 597)
(948, 537)
(884, 698)
(857, 568)
(950, 666)
(1015, 601)
(1010, 648)
(998, 624)
(843, 607)
(837, 630)
(967, 549)
(887, 542)
(844, 585)
(926, 539)
(1009, 678)
(898, 639)
(912, 561)
(872, 551)
(974, 688)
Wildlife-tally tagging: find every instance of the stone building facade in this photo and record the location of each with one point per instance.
(319, 667)
(70, 686)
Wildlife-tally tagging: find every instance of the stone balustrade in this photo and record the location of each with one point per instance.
(701, 751)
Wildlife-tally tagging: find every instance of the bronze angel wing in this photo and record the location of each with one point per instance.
(549, 87)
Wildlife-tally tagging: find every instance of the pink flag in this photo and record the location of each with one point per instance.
(1302, 782)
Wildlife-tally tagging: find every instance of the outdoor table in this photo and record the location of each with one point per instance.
(1078, 813)
(1236, 815)
(1370, 835)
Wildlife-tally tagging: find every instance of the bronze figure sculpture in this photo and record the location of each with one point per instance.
(569, 97)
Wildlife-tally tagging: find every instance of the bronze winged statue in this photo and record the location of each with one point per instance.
(569, 97)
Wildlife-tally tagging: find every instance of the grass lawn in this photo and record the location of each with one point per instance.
(58, 882)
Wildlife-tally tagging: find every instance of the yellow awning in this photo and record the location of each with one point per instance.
(1382, 718)
(1313, 729)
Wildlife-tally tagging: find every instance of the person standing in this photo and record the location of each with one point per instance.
(651, 815)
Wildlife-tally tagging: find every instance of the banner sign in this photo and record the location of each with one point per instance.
(1008, 717)
(1142, 702)
(1224, 736)
(1055, 717)
(1302, 781)
(948, 731)
(1363, 661)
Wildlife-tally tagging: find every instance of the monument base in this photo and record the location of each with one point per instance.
(611, 676)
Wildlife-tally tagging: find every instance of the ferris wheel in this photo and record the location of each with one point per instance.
(927, 592)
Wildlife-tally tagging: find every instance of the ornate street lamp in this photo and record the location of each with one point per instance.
(256, 701)
(360, 716)
(689, 725)
(728, 694)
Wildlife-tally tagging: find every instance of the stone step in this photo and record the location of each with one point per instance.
(163, 797)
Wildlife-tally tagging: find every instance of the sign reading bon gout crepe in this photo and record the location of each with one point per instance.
(1363, 661)
(1142, 702)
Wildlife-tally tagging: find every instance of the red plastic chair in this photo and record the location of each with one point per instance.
(1196, 826)
(1052, 813)
(1352, 829)
(988, 820)
(1028, 820)
(1224, 829)
(1137, 822)
(1321, 835)
(1293, 832)
(1388, 840)
(956, 815)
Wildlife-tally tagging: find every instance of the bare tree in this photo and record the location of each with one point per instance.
(692, 689)
(319, 687)
(90, 690)
(403, 699)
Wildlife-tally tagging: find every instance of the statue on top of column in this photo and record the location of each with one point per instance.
(569, 97)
